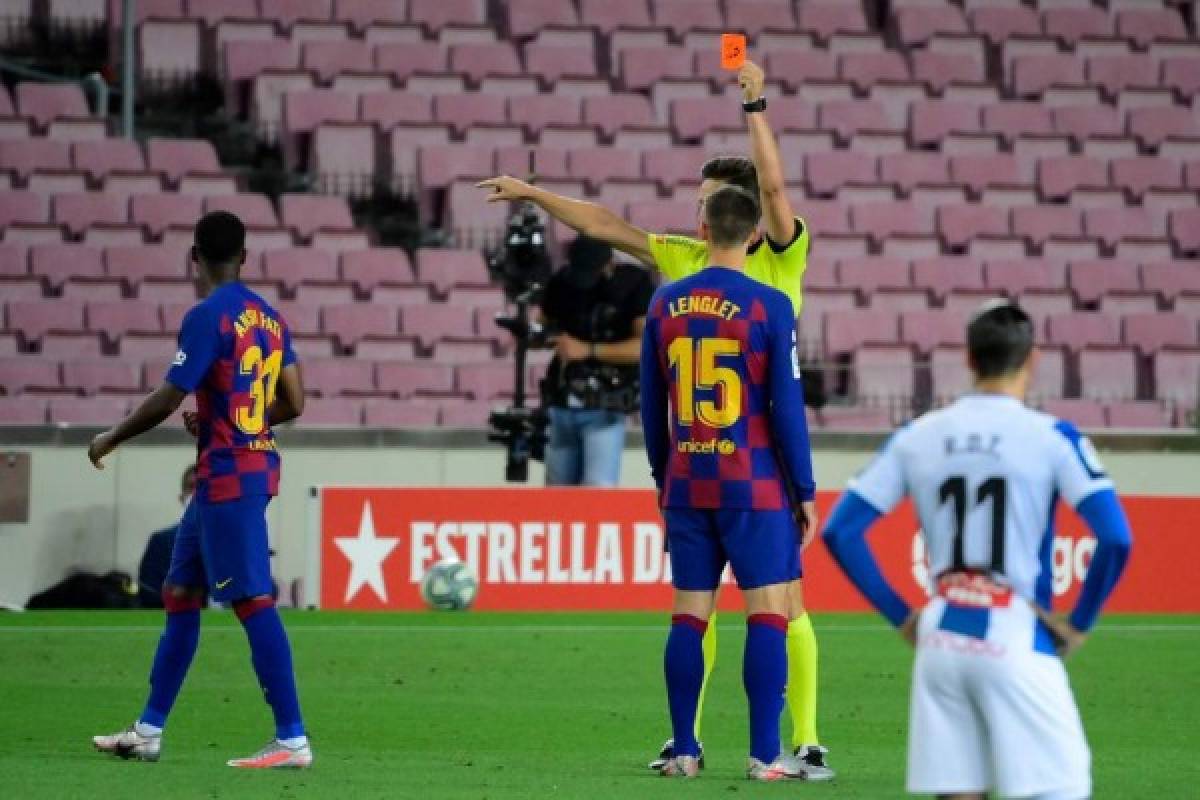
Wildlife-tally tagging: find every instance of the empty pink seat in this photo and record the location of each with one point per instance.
(20, 207)
(917, 24)
(536, 112)
(116, 319)
(1152, 332)
(480, 60)
(353, 322)
(288, 12)
(467, 110)
(169, 50)
(437, 322)
(828, 172)
(444, 268)
(1082, 122)
(1039, 224)
(1034, 74)
(1171, 278)
(1111, 225)
(797, 67)
(295, 265)
(1139, 175)
(643, 67)
(999, 23)
(369, 269)
(1069, 25)
(1136, 416)
(1153, 125)
(907, 170)
(1014, 119)
(846, 331)
(928, 329)
(437, 165)
(58, 263)
(884, 374)
(135, 264)
(407, 378)
(1182, 74)
(692, 117)
(1108, 373)
(254, 210)
(682, 16)
(755, 16)
(959, 224)
(23, 373)
(664, 216)
(943, 274)
(1115, 73)
(1145, 25)
(612, 113)
(301, 318)
(103, 375)
(1177, 376)
(44, 102)
(1185, 229)
(1087, 414)
(471, 217)
(865, 69)
(344, 158)
(329, 377)
(177, 157)
(87, 412)
(1019, 276)
(400, 414)
(1091, 279)
(674, 166)
(824, 18)
(1059, 176)
(330, 58)
(1078, 329)
(404, 59)
(78, 212)
(487, 381)
(931, 121)
(870, 274)
(949, 372)
(34, 319)
(25, 156)
(855, 418)
(104, 156)
(886, 218)
(437, 14)
(981, 171)
(361, 14)
(527, 17)
(332, 412)
(598, 165)
(305, 214)
(848, 117)
(938, 70)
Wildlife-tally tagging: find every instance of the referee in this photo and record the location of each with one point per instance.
(777, 258)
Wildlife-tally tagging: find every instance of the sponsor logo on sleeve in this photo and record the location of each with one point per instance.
(180, 359)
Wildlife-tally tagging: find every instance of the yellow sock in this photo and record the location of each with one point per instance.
(802, 680)
(709, 645)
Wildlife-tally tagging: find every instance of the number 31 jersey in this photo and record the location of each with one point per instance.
(985, 474)
(722, 402)
(232, 347)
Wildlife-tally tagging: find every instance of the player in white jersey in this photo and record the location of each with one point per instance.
(991, 710)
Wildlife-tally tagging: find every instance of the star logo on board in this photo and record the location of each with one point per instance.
(366, 553)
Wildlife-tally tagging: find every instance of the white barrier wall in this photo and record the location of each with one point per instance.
(100, 520)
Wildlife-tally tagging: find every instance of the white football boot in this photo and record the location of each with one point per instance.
(129, 744)
(276, 755)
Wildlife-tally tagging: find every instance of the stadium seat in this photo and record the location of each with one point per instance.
(351, 323)
(1076, 330)
(1017, 276)
(329, 377)
(1086, 414)
(361, 14)
(1108, 374)
(296, 265)
(34, 319)
(78, 212)
(1177, 376)
(1152, 125)
(105, 156)
(846, 331)
(527, 17)
(925, 330)
(883, 375)
(1137, 416)
(370, 269)
(1142, 26)
(931, 121)
(999, 23)
(1151, 332)
(104, 375)
(45, 102)
(87, 412)
(177, 157)
(305, 214)
(24, 156)
(1185, 230)
(58, 263)
(25, 373)
(17, 207)
(960, 224)
(445, 268)
(825, 18)
(944, 274)
(683, 16)
(408, 378)
(1171, 278)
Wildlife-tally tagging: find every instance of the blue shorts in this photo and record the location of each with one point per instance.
(223, 548)
(763, 547)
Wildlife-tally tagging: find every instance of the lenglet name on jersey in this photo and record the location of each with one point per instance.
(704, 304)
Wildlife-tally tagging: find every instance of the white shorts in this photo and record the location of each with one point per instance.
(993, 714)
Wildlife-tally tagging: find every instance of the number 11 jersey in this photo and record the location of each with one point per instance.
(232, 347)
(985, 475)
(722, 401)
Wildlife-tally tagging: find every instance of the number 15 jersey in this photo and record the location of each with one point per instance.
(985, 475)
(232, 347)
(722, 347)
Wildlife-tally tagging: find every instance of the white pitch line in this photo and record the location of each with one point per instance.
(294, 629)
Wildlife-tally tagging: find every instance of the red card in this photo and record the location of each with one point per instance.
(733, 51)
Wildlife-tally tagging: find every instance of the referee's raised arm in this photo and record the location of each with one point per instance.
(590, 219)
(777, 210)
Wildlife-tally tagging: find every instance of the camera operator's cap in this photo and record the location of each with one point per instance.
(586, 258)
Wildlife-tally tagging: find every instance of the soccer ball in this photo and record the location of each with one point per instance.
(449, 586)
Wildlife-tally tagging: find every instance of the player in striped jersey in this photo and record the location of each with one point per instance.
(777, 258)
(730, 456)
(991, 710)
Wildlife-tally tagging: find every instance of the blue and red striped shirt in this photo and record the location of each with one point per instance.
(232, 348)
(722, 400)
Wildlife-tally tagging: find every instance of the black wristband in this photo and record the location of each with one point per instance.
(755, 106)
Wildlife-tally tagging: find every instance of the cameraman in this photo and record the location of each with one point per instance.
(598, 309)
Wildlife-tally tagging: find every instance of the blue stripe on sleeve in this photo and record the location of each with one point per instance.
(654, 400)
(845, 536)
(789, 425)
(1103, 514)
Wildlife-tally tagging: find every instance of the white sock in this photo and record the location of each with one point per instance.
(294, 743)
(143, 729)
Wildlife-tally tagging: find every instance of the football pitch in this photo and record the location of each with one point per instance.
(485, 705)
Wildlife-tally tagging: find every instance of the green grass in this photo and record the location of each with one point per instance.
(523, 706)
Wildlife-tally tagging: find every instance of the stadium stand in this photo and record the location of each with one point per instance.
(1046, 152)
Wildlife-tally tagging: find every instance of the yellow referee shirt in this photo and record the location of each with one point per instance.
(781, 267)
